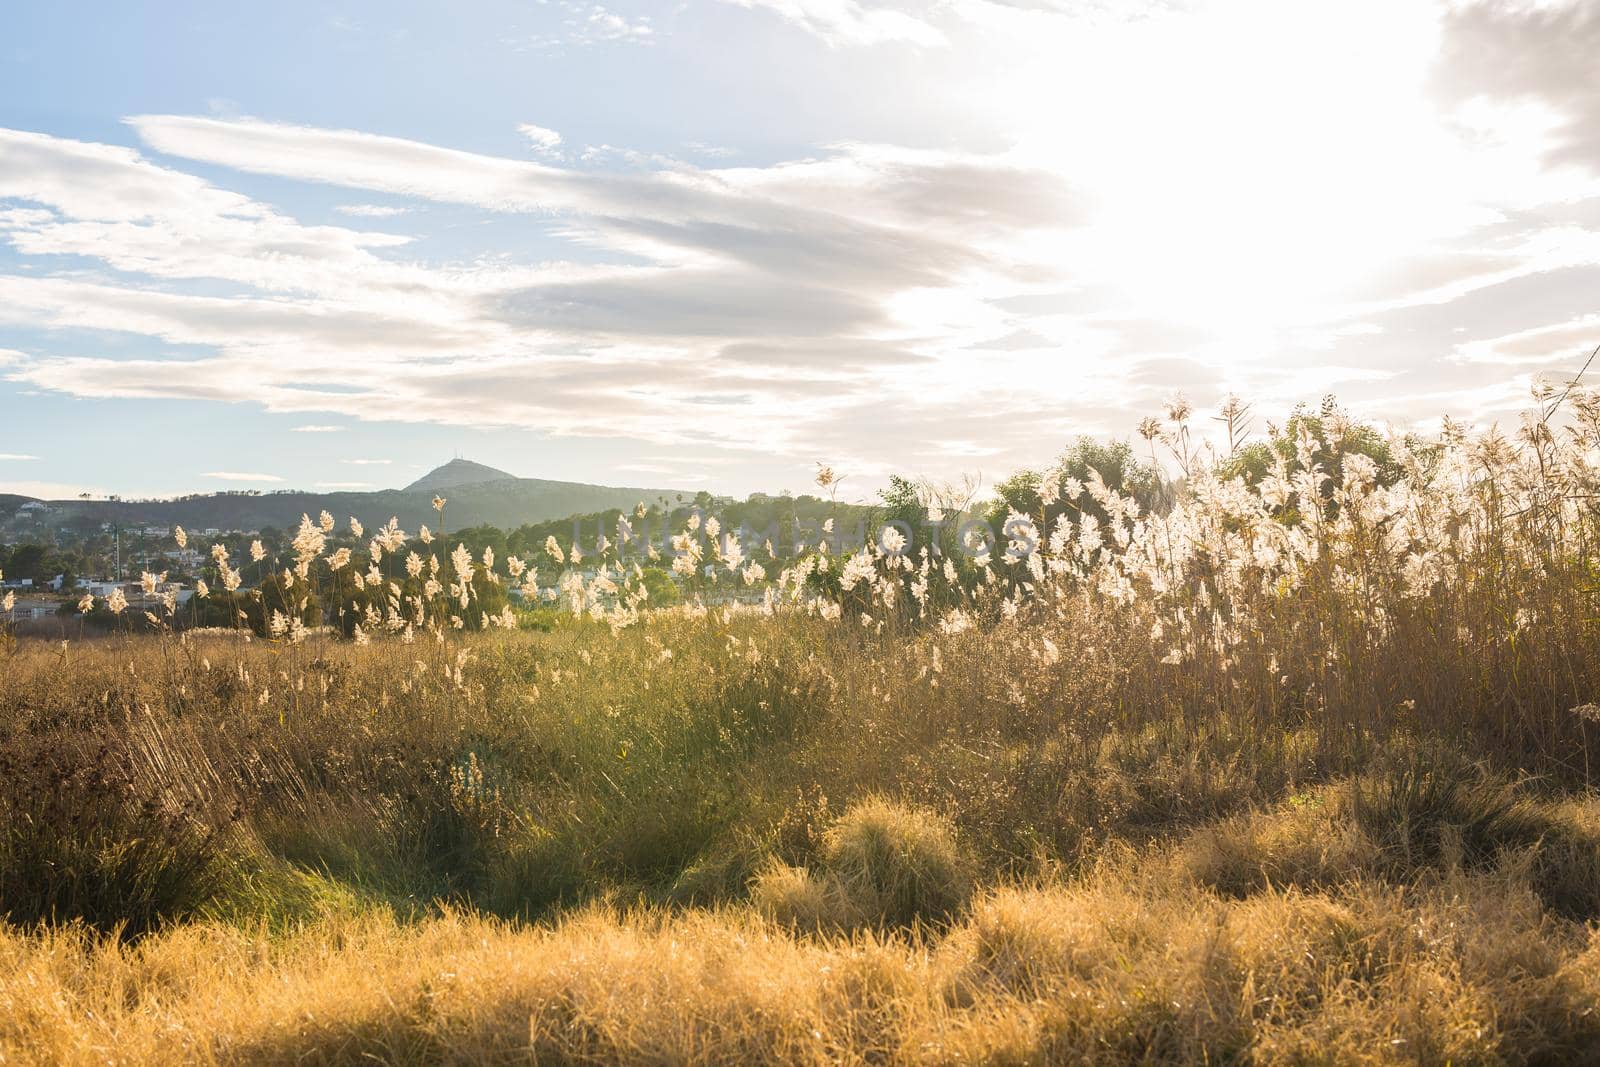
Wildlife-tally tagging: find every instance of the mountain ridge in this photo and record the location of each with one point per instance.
(458, 472)
(476, 495)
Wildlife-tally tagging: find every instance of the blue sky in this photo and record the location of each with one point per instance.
(709, 243)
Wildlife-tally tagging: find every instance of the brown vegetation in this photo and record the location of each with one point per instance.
(1287, 774)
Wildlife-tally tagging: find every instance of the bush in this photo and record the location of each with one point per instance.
(82, 838)
(896, 865)
(1426, 813)
(1312, 842)
(535, 874)
(1400, 824)
(798, 898)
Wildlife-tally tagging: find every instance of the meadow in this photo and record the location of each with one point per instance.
(1294, 764)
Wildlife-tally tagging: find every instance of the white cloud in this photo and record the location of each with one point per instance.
(545, 142)
(1117, 238)
(841, 22)
(819, 280)
(368, 462)
(711, 151)
(599, 24)
(589, 24)
(16, 455)
(1549, 346)
(371, 211)
(110, 204)
(318, 429)
(241, 476)
(107, 183)
(344, 485)
(364, 161)
(904, 218)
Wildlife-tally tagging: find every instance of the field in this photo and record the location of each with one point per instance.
(1294, 767)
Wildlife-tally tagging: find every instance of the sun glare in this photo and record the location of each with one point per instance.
(1234, 183)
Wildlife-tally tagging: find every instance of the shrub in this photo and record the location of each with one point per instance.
(895, 864)
(1437, 812)
(84, 837)
(1565, 862)
(1312, 842)
(796, 897)
(533, 874)
(1448, 813)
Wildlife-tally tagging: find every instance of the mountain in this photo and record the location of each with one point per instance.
(457, 472)
(476, 495)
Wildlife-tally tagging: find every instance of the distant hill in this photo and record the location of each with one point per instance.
(476, 495)
(458, 472)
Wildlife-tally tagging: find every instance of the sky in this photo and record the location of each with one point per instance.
(711, 243)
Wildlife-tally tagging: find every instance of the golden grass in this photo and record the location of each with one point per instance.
(1289, 773)
(1204, 898)
(1468, 969)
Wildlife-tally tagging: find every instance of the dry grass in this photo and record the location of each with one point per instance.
(1300, 771)
(883, 874)
(1467, 970)
(881, 864)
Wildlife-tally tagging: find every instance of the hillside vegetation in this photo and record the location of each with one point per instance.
(1295, 765)
(479, 495)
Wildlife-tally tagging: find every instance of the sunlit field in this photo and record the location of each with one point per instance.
(1286, 756)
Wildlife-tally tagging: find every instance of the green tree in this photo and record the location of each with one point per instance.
(1336, 435)
(28, 561)
(1116, 464)
(659, 584)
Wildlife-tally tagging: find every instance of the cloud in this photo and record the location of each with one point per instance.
(16, 455)
(371, 211)
(368, 462)
(106, 183)
(344, 485)
(880, 202)
(299, 335)
(800, 263)
(545, 142)
(776, 296)
(1015, 340)
(318, 429)
(1562, 344)
(849, 22)
(689, 303)
(1099, 240)
(828, 355)
(711, 151)
(241, 476)
(110, 204)
(599, 24)
(1538, 52)
(585, 25)
(359, 160)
